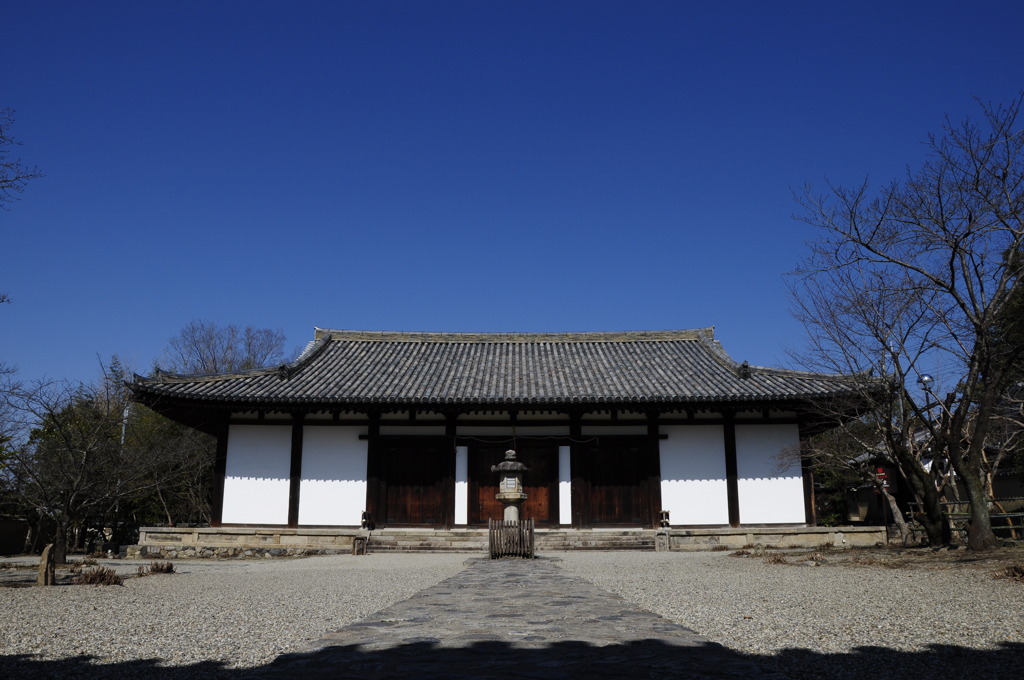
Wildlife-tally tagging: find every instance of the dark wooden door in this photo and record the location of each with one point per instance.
(413, 475)
(540, 482)
(616, 477)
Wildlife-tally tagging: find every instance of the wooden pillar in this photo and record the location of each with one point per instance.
(448, 483)
(295, 471)
(731, 468)
(654, 469)
(220, 469)
(374, 474)
(807, 472)
(577, 467)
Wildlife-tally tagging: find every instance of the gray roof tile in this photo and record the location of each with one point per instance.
(348, 368)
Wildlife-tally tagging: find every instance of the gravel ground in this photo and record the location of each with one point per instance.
(239, 613)
(910, 614)
(851, 616)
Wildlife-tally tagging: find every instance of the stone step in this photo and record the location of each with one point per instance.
(475, 540)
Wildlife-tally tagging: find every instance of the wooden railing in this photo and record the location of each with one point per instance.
(1007, 514)
(510, 538)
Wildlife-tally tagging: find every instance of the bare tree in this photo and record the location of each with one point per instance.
(14, 174)
(850, 454)
(912, 279)
(69, 465)
(203, 347)
(179, 467)
(82, 457)
(867, 324)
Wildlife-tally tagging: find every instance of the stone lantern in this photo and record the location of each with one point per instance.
(510, 484)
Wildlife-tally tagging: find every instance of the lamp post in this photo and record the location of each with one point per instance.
(925, 382)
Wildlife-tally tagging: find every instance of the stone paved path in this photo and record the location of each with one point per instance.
(514, 619)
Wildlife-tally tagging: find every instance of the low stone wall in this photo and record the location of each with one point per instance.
(262, 542)
(241, 542)
(773, 537)
(188, 552)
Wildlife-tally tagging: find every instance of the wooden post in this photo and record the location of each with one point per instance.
(732, 485)
(220, 468)
(653, 468)
(295, 470)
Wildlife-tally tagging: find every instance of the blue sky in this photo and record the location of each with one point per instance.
(460, 166)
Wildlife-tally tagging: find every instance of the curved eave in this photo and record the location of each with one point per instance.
(662, 401)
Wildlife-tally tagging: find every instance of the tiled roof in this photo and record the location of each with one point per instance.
(348, 368)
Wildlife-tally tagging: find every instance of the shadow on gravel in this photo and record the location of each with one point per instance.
(646, 659)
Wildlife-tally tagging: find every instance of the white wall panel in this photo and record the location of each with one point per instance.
(461, 484)
(693, 486)
(770, 490)
(257, 473)
(564, 485)
(333, 486)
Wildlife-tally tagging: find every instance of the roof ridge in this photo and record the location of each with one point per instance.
(696, 334)
(162, 376)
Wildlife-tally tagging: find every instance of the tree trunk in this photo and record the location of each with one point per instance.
(163, 503)
(979, 534)
(931, 517)
(60, 544)
(968, 466)
(897, 516)
(29, 539)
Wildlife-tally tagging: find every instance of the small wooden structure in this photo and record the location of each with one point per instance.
(508, 538)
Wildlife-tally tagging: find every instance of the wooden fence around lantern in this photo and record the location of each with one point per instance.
(508, 538)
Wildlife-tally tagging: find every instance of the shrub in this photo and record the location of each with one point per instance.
(1015, 573)
(98, 576)
(156, 568)
(879, 561)
(775, 559)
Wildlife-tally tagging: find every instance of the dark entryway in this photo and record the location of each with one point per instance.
(411, 480)
(540, 483)
(616, 482)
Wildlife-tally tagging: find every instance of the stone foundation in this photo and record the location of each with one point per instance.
(213, 552)
(241, 542)
(263, 542)
(769, 537)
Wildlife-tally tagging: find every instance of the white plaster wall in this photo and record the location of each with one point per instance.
(332, 490)
(461, 484)
(257, 473)
(564, 485)
(693, 483)
(769, 492)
